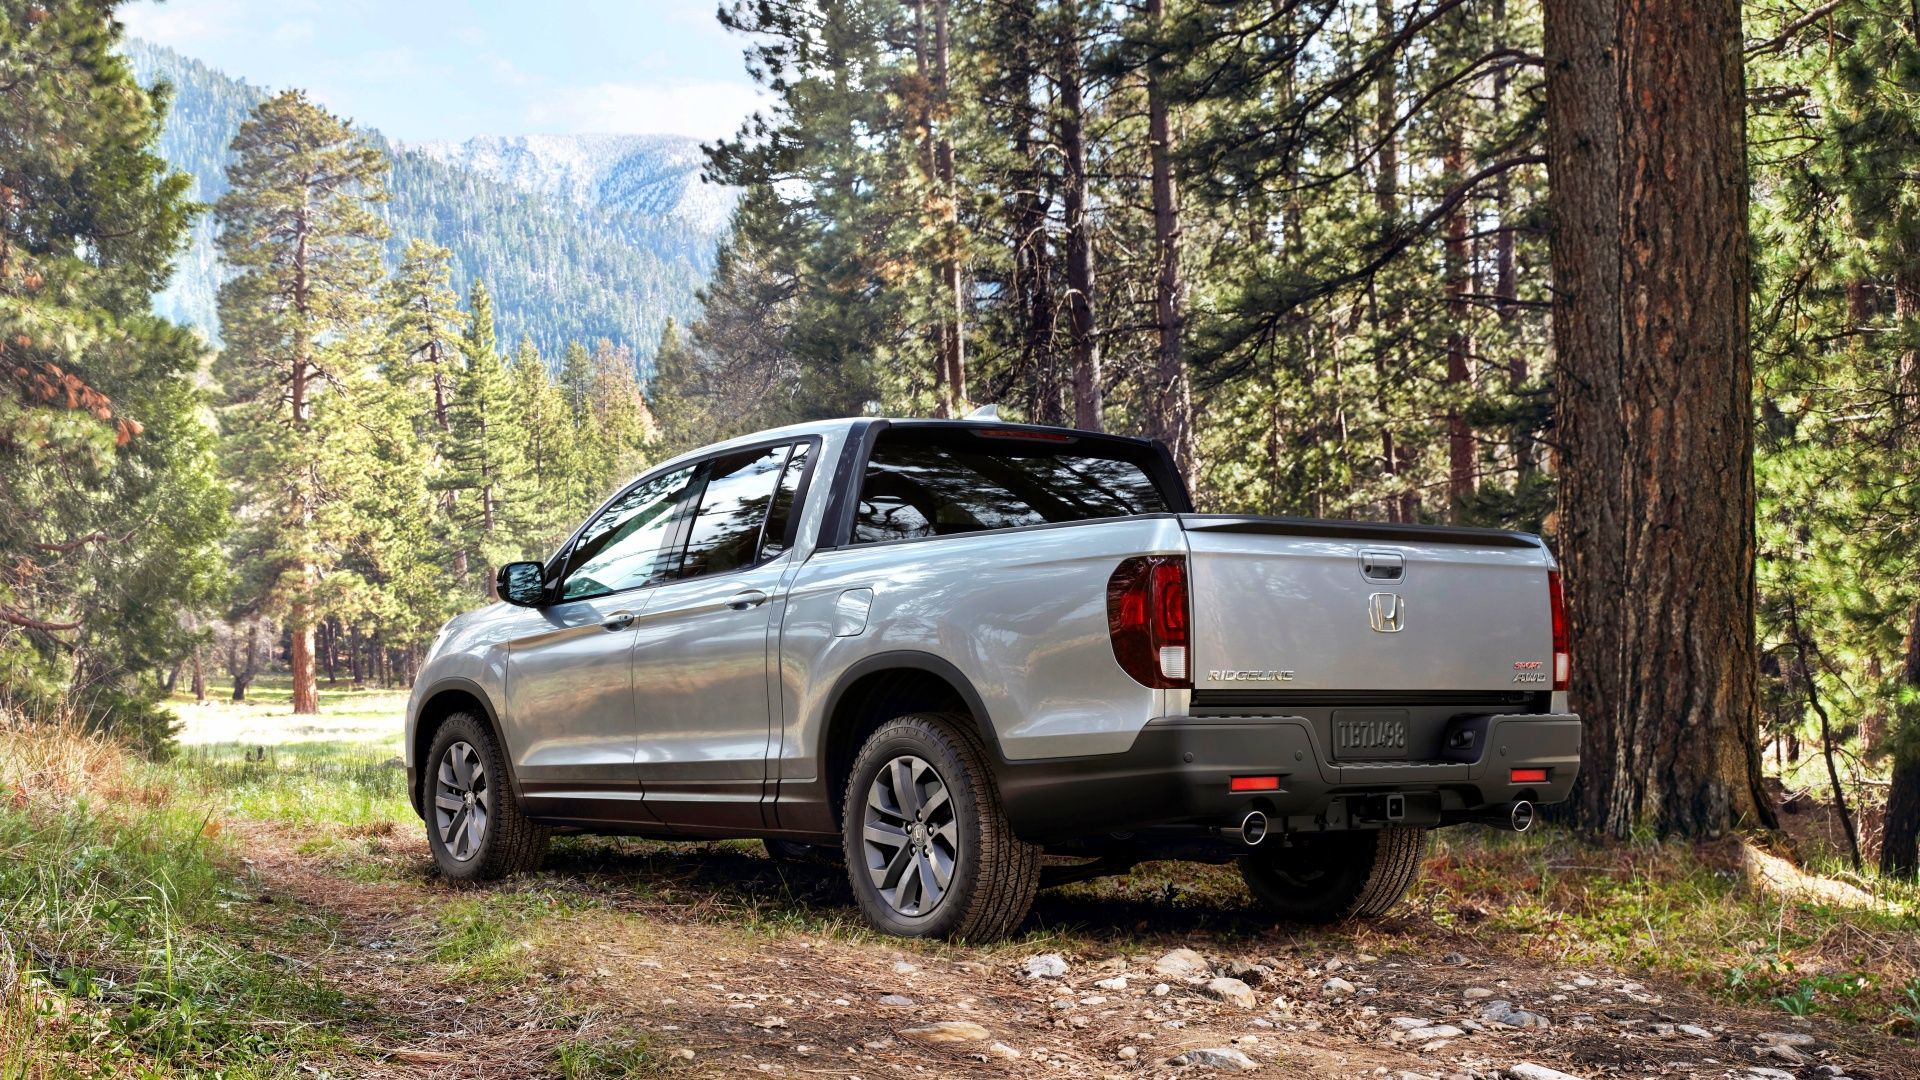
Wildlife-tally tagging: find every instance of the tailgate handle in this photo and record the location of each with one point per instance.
(1382, 565)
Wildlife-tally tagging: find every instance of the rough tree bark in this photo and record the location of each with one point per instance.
(1645, 107)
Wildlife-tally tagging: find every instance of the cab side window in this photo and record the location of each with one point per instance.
(629, 543)
(780, 524)
(727, 524)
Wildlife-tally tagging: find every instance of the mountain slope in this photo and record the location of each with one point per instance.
(654, 176)
(614, 259)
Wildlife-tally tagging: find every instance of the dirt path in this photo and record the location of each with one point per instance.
(712, 994)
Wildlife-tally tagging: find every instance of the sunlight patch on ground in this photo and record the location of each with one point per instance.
(1778, 877)
(266, 719)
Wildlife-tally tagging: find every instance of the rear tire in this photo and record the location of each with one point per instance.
(1327, 877)
(930, 852)
(475, 827)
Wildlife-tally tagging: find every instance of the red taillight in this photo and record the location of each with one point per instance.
(1527, 776)
(1254, 783)
(1147, 618)
(1562, 659)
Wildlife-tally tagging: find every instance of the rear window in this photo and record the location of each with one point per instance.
(946, 482)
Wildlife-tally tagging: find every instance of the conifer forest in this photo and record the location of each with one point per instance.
(1641, 276)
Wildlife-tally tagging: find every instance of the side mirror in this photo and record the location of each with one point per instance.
(522, 583)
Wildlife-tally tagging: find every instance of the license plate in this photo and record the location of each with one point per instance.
(1369, 740)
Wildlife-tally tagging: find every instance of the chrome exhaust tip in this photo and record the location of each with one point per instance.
(1253, 828)
(1521, 817)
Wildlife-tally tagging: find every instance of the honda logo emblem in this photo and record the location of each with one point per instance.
(1386, 613)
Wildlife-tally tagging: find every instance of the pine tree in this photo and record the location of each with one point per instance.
(483, 452)
(298, 226)
(1837, 321)
(623, 426)
(550, 454)
(426, 328)
(112, 508)
(832, 208)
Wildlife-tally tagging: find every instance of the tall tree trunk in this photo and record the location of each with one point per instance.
(1033, 255)
(243, 678)
(300, 616)
(199, 675)
(1046, 398)
(1396, 458)
(1645, 111)
(1088, 394)
(930, 176)
(1460, 446)
(328, 641)
(953, 340)
(1900, 834)
(1172, 418)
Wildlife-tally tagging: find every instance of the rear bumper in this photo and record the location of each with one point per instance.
(1179, 769)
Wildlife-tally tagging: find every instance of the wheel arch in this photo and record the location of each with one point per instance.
(446, 697)
(886, 686)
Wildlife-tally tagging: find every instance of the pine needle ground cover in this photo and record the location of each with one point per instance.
(204, 915)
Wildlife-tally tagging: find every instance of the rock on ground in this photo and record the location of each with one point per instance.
(1233, 992)
(1215, 1057)
(1503, 1012)
(1181, 963)
(948, 1031)
(1526, 1070)
(1046, 965)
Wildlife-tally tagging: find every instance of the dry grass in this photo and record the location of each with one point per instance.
(131, 900)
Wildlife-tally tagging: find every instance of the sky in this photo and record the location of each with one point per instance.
(445, 69)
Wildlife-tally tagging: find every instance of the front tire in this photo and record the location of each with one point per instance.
(475, 827)
(1327, 877)
(930, 852)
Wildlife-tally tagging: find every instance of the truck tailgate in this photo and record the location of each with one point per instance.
(1296, 606)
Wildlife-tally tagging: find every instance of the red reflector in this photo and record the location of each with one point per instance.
(1254, 783)
(1529, 776)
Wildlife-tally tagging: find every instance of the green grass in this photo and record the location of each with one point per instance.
(310, 783)
(120, 920)
(490, 937)
(1683, 910)
(621, 1054)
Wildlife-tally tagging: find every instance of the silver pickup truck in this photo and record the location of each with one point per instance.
(978, 658)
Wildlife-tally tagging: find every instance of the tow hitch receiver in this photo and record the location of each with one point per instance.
(1389, 808)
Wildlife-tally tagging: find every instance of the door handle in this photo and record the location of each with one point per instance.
(752, 598)
(619, 620)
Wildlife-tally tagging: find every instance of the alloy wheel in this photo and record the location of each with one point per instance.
(462, 801)
(911, 837)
